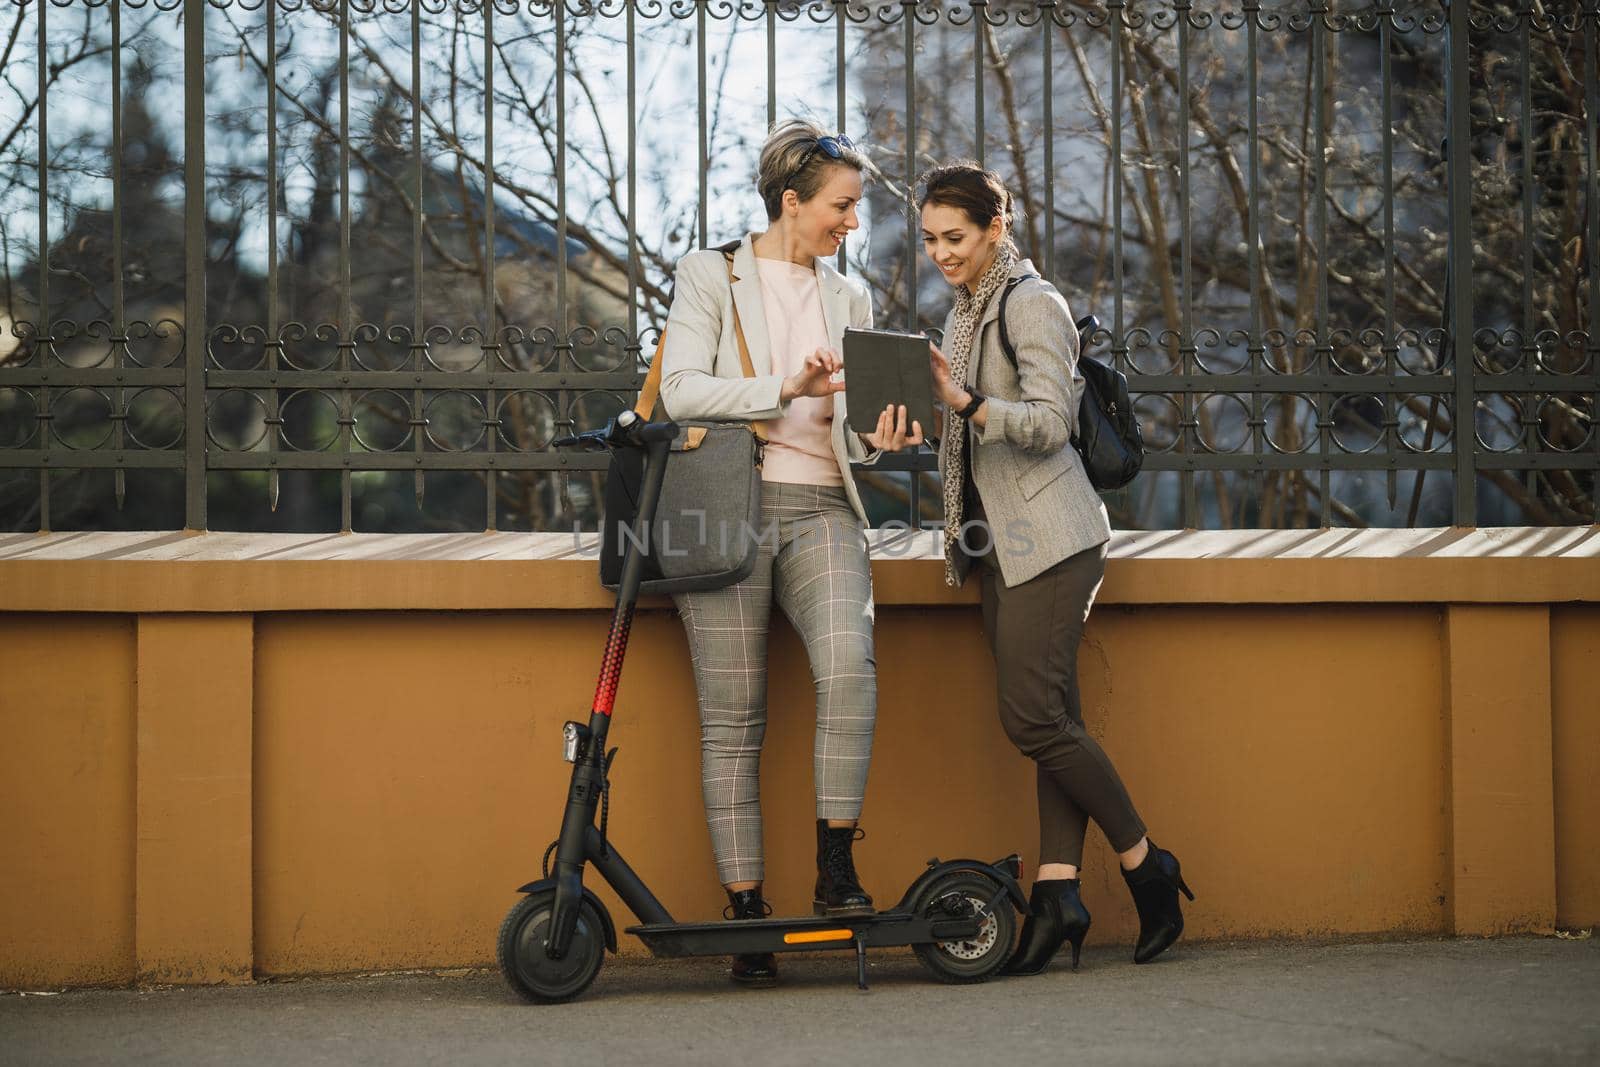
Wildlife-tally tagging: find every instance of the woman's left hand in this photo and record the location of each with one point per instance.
(949, 393)
(891, 434)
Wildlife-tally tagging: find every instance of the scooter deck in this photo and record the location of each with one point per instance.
(883, 929)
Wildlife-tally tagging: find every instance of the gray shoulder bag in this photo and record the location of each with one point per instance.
(706, 530)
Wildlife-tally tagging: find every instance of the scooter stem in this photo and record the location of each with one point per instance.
(632, 573)
(588, 773)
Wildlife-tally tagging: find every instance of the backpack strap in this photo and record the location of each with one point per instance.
(1005, 295)
(650, 391)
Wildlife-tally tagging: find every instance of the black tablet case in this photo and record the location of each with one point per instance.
(882, 367)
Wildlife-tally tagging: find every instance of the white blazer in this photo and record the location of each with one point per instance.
(701, 377)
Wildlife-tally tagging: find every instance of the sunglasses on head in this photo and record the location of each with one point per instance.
(835, 147)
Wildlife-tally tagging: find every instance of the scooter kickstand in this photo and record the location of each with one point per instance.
(861, 963)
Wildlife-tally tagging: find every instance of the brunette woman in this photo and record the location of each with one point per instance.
(1021, 515)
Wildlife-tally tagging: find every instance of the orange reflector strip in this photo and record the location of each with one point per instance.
(806, 937)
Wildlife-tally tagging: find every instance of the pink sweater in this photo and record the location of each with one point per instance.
(799, 445)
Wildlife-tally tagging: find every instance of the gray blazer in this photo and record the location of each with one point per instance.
(700, 374)
(1035, 492)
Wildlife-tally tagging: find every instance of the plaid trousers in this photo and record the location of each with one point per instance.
(812, 559)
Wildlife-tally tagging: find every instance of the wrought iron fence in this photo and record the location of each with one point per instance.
(354, 263)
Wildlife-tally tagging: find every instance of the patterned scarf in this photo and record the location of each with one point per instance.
(958, 347)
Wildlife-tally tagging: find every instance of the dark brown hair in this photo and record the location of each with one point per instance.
(974, 190)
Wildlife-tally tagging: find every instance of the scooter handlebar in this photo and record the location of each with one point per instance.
(627, 430)
(649, 433)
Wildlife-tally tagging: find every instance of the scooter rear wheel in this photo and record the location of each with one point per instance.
(959, 895)
(529, 971)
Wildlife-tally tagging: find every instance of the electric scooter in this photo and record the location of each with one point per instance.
(958, 916)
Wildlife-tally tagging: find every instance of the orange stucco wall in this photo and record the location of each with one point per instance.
(1575, 704)
(211, 795)
(194, 858)
(66, 800)
(407, 769)
(1297, 756)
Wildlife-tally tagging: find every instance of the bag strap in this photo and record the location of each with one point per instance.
(1011, 353)
(650, 391)
(1005, 338)
(757, 427)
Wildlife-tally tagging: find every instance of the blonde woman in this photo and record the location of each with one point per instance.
(1020, 514)
(793, 308)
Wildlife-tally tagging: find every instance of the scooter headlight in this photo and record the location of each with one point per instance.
(573, 736)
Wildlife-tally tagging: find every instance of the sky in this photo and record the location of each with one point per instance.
(236, 95)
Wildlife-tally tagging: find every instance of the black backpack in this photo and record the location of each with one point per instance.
(1108, 436)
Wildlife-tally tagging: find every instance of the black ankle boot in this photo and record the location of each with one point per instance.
(755, 968)
(1155, 884)
(1056, 916)
(838, 891)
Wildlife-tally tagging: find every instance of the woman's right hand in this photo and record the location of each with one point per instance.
(815, 378)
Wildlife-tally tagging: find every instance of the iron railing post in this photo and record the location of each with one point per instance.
(194, 269)
(1591, 199)
(1458, 124)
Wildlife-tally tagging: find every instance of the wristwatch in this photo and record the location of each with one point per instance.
(972, 408)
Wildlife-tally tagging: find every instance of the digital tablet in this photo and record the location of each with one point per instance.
(882, 367)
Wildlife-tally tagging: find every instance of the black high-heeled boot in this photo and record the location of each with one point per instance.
(1155, 884)
(838, 890)
(754, 968)
(1056, 915)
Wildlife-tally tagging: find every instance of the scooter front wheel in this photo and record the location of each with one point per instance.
(964, 895)
(529, 971)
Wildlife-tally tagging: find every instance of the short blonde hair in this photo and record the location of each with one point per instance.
(780, 167)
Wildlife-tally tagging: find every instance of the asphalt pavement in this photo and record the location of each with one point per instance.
(1510, 1001)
